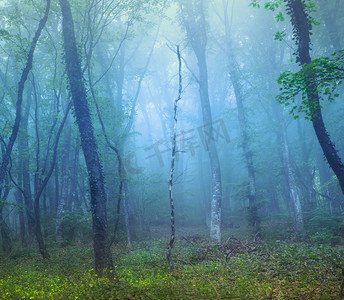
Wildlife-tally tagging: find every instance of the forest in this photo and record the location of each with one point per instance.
(171, 149)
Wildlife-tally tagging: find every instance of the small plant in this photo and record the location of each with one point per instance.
(280, 270)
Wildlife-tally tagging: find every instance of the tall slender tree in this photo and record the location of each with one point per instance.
(243, 124)
(101, 244)
(173, 157)
(193, 16)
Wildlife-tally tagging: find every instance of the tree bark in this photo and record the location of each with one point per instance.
(101, 245)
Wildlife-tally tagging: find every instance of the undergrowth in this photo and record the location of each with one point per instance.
(202, 271)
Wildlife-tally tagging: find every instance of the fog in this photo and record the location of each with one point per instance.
(249, 161)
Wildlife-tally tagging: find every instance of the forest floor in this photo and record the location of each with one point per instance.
(236, 269)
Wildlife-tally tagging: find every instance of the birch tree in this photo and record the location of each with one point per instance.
(193, 18)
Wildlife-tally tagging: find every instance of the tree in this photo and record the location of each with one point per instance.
(101, 245)
(193, 16)
(173, 156)
(302, 25)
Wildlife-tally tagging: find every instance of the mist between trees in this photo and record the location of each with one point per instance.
(88, 123)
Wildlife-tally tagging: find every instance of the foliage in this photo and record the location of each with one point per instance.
(76, 223)
(328, 73)
(279, 35)
(324, 228)
(278, 270)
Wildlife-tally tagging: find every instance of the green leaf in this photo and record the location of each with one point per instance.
(279, 17)
(279, 35)
(255, 4)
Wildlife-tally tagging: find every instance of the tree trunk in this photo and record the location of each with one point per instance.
(4, 228)
(294, 194)
(24, 154)
(253, 211)
(235, 79)
(216, 187)
(61, 207)
(38, 231)
(20, 203)
(5, 233)
(304, 172)
(101, 245)
(74, 197)
(173, 157)
(195, 25)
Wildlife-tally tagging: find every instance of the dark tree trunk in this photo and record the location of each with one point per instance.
(55, 199)
(103, 259)
(21, 216)
(253, 210)
(302, 26)
(5, 233)
(4, 228)
(23, 149)
(38, 231)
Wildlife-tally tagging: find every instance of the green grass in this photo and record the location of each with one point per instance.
(275, 271)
